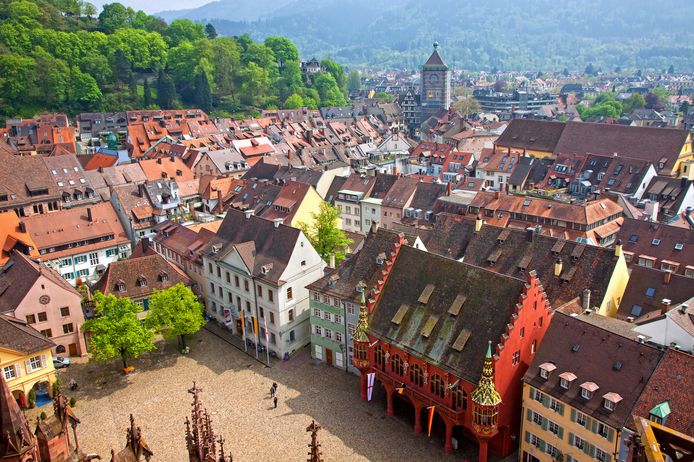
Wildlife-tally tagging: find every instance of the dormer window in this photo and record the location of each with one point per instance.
(566, 379)
(587, 389)
(120, 286)
(546, 369)
(141, 281)
(380, 258)
(610, 401)
(163, 276)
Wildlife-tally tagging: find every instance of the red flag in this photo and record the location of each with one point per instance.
(431, 418)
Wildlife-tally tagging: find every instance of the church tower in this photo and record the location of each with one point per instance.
(436, 84)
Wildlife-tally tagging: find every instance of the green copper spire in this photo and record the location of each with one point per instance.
(485, 394)
(363, 323)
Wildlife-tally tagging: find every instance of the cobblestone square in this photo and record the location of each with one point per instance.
(236, 393)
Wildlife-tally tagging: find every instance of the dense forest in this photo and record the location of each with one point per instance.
(475, 35)
(59, 55)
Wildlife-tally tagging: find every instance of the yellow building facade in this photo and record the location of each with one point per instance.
(23, 371)
(616, 287)
(553, 430)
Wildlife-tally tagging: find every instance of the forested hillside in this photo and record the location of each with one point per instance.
(58, 55)
(478, 35)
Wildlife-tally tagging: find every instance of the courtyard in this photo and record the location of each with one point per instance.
(235, 390)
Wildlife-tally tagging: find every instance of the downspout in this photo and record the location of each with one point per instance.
(344, 324)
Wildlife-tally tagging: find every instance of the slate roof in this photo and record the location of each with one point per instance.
(272, 244)
(490, 302)
(672, 381)
(19, 275)
(359, 267)
(647, 288)
(657, 240)
(335, 186)
(382, 185)
(512, 249)
(16, 335)
(401, 191)
(435, 60)
(572, 346)
(151, 268)
(19, 175)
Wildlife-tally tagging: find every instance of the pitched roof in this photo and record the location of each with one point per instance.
(17, 335)
(25, 180)
(516, 252)
(531, 134)
(156, 272)
(435, 60)
(401, 191)
(490, 301)
(623, 367)
(12, 237)
(273, 244)
(672, 383)
(648, 287)
(19, 274)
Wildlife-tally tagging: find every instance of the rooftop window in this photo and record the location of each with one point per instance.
(633, 238)
(655, 242)
(650, 292)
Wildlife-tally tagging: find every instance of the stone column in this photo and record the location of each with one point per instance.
(363, 383)
(389, 400)
(448, 448)
(484, 444)
(417, 419)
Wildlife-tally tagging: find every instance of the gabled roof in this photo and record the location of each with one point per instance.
(427, 285)
(401, 191)
(531, 134)
(17, 335)
(19, 275)
(622, 366)
(648, 287)
(273, 244)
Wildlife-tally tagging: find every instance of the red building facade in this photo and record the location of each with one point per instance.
(425, 330)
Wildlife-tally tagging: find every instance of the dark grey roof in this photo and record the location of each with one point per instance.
(17, 336)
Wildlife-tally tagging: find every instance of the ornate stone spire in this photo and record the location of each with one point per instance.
(200, 438)
(363, 323)
(485, 394)
(314, 454)
(16, 439)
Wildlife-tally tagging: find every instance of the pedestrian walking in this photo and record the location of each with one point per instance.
(274, 400)
(272, 390)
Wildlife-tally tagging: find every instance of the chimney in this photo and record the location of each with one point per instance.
(586, 299)
(478, 223)
(665, 305)
(90, 217)
(618, 248)
(667, 275)
(331, 263)
(448, 188)
(145, 244)
(172, 158)
(22, 227)
(220, 201)
(159, 160)
(141, 190)
(278, 222)
(530, 234)
(497, 195)
(683, 308)
(249, 213)
(558, 265)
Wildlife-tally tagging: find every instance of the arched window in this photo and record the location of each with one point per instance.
(396, 364)
(417, 375)
(60, 349)
(484, 417)
(379, 356)
(436, 386)
(459, 399)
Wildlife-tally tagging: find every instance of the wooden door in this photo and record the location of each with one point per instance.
(73, 349)
(329, 357)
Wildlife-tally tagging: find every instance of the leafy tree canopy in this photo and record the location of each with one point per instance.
(325, 235)
(175, 311)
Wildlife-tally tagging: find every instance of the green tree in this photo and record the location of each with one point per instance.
(203, 94)
(328, 89)
(353, 81)
(183, 29)
(175, 311)
(671, 69)
(293, 101)
(166, 91)
(384, 97)
(590, 70)
(467, 106)
(634, 101)
(115, 16)
(283, 50)
(146, 93)
(684, 107)
(338, 73)
(210, 31)
(84, 91)
(88, 9)
(325, 235)
(115, 331)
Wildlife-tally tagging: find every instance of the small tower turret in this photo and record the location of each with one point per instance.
(485, 406)
(360, 341)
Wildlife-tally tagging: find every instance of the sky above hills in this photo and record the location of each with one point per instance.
(153, 6)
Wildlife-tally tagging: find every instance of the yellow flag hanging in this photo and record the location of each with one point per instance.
(431, 418)
(255, 326)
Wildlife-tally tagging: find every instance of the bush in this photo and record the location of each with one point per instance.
(56, 386)
(31, 399)
(72, 401)
(43, 415)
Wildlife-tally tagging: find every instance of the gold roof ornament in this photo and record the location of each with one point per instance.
(485, 394)
(363, 323)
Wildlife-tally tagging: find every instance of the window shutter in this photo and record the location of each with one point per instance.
(560, 409)
(530, 415)
(571, 438)
(610, 434)
(43, 361)
(545, 401)
(573, 415)
(595, 426)
(560, 433)
(588, 422)
(587, 447)
(543, 445)
(18, 369)
(527, 437)
(27, 363)
(545, 423)
(532, 392)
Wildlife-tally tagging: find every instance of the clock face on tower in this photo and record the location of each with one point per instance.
(433, 78)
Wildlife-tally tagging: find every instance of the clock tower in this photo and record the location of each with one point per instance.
(436, 84)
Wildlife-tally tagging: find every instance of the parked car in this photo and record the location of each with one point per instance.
(60, 362)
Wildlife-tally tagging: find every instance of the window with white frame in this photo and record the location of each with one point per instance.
(538, 396)
(537, 418)
(350, 328)
(609, 405)
(553, 427)
(601, 455)
(552, 451)
(327, 316)
(328, 333)
(35, 363)
(317, 330)
(603, 430)
(316, 312)
(581, 418)
(554, 405)
(338, 336)
(10, 372)
(338, 319)
(94, 258)
(579, 443)
(350, 309)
